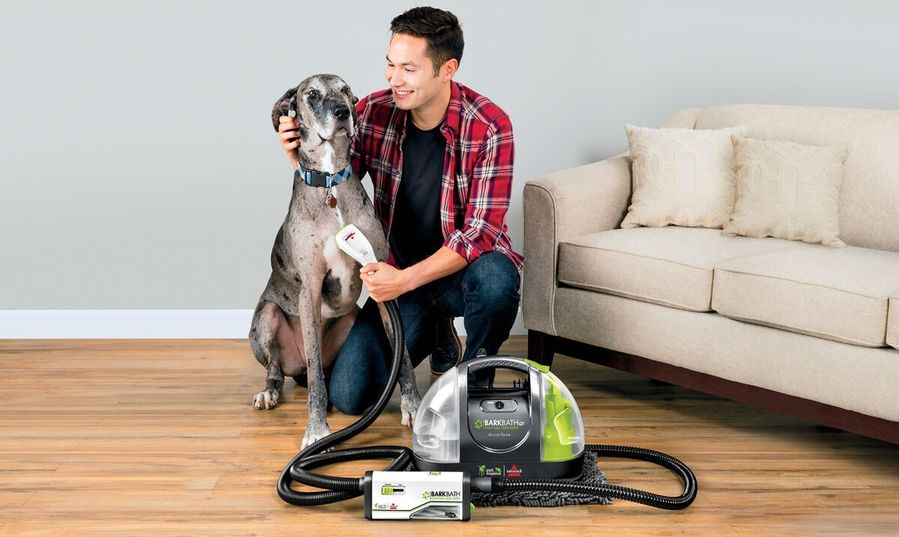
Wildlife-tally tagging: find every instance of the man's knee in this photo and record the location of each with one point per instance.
(357, 371)
(350, 407)
(350, 403)
(494, 280)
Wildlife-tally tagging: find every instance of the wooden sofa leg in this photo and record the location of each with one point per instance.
(540, 347)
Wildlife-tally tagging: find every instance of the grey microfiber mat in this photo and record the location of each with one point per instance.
(591, 475)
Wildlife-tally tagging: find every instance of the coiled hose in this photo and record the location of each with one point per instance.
(337, 489)
(343, 488)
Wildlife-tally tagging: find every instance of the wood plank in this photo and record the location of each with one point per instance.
(148, 437)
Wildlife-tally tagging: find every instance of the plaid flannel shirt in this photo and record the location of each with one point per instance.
(477, 169)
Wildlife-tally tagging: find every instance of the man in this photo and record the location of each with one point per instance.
(440, 158)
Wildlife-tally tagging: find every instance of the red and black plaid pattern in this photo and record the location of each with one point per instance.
(477, 169)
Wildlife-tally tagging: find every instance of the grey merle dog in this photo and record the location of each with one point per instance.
(309, 303)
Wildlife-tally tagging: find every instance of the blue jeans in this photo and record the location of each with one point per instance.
(485, 293)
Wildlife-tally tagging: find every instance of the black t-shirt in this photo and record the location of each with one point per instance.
(415, 233)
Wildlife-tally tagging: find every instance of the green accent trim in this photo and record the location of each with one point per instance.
(558, 428)
(539, 367)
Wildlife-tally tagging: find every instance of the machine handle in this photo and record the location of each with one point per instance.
(488, 362)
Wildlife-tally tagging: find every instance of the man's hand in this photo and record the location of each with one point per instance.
(384, 281)
(288, 131)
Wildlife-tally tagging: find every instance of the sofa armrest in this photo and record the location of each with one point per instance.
(560, 206)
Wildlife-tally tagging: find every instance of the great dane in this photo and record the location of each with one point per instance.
(309, 303)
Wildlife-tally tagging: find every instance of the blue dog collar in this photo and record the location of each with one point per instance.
(322, 179)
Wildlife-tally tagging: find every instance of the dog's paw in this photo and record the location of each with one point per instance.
(409, 407)
(408, 418)
(314, 434)
(266, 399)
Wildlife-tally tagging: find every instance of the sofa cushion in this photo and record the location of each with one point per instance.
(840, 294)
(669, 265)
(893, 326)
(681, 177)
(851, 377)
(787, 190)
(870, 191)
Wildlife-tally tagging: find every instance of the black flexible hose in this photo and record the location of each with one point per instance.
(344, 488)
(624, 493)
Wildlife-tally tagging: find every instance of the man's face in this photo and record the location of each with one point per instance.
(410, 72)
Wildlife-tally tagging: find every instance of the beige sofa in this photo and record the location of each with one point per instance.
(803, 329)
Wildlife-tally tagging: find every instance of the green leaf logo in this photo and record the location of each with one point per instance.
(479, 424)
(426, 495)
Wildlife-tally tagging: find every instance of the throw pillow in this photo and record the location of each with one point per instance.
(681, 177)
(787, 190)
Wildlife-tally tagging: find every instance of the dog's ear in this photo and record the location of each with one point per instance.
(355, 114)
(284, 106)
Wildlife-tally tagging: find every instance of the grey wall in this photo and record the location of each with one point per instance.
(138, 168)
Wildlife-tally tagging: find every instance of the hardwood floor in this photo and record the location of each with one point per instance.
(125, 437)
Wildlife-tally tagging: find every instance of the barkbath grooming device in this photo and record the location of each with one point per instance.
(417, 495)
(530, 428)
(353, 243)
(522, 440)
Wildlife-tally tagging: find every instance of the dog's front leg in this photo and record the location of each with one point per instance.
(410, 397)
(274, 380)
(311, 325)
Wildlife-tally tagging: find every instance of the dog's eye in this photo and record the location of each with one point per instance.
(312, 94)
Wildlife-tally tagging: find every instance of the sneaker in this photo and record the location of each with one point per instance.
(448, 351)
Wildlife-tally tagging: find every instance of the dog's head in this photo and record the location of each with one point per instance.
(325, 107)
(326, 110)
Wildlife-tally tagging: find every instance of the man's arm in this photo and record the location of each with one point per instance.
(441, 263)
(490, 193)
(289, 133)
(388, 282)
(485, 219)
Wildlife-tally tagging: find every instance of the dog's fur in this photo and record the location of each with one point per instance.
(309, 303)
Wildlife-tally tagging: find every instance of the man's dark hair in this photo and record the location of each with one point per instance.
(440, 28)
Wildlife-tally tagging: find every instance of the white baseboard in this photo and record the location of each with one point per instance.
(124, 324)
(140, 324)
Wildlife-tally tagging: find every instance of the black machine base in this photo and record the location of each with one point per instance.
(510, 469)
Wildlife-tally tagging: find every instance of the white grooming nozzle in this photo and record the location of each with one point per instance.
(354, 244)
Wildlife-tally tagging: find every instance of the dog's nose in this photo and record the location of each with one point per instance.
(341, 112)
